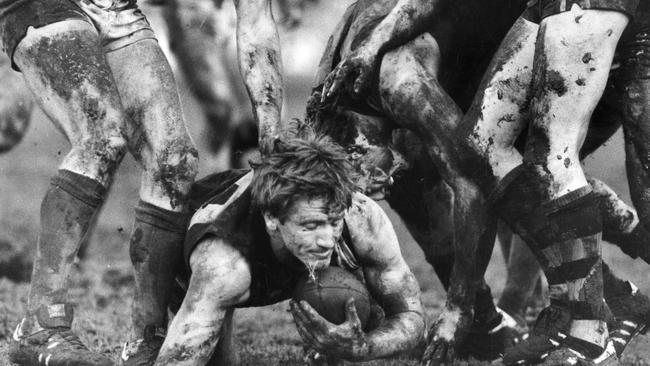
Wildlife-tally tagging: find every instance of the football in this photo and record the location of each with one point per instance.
(333, 287)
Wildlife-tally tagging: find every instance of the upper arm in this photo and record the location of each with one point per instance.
(221, 275)
(388, 277)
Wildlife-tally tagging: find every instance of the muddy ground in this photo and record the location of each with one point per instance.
(101, 284)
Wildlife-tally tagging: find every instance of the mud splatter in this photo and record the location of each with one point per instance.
(586, 58)
(176, 169)
(555, 82)
(567, 162)
(506, 118)
(65, 69)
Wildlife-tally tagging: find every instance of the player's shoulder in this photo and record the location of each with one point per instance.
(369, 227)
(217, 264)
(363, 211)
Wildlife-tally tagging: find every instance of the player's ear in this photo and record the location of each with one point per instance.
(271, 222)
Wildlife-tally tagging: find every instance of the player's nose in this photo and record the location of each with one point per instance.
(325, 242)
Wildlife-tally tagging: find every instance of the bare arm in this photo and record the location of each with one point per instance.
(389, 279)
(391, 282)
(407, 19)
(258, 47)
(220, 279)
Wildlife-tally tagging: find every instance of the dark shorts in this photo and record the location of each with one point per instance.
(118, 22)
(540, 9)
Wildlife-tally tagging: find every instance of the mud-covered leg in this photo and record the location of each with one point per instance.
(65, 68)
(411, 96)
(497, 115)
(158, 139)
(565, 95)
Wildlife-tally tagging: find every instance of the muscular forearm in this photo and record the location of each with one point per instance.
(396, 334)
(260, 65)
(189, 342)
(406, 20)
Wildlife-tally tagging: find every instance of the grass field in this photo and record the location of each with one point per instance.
(101, 285)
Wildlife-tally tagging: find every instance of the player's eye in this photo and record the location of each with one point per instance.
(310, 225)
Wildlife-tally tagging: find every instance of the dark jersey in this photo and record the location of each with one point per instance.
(222, 205)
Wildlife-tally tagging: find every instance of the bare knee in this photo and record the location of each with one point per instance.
(96, 157)
(400, 66)
(171, 170)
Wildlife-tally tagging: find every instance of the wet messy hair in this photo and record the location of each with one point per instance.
(302, 165)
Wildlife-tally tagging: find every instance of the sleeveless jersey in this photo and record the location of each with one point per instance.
(222, 204)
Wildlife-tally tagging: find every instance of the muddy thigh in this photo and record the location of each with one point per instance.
(158, 137)
(64, 66)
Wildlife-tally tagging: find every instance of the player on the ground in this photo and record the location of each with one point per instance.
(254, 235)
(385, 86)
(260, 65)
(98, 73)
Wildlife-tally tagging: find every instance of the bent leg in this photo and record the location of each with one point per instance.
(498, 113)
(566, 94)
(412, 97)
(65, 68)
(159, 140)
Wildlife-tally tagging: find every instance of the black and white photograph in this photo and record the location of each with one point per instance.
(324, 182)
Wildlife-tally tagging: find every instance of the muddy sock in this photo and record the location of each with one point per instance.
(565, 235)
(574, 260)
(66, 212)
(155, 249)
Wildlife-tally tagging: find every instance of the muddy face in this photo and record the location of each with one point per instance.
(310, 231)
